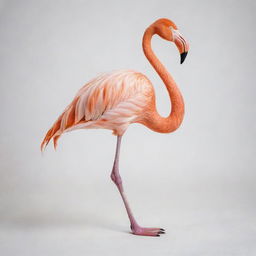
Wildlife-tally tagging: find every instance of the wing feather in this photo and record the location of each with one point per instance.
(115, 98)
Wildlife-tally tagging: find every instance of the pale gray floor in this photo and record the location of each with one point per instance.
(201, 233)
(95, 223)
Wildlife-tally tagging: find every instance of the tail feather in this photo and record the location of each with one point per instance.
(55, 140)
(51, 134)
(65, 121)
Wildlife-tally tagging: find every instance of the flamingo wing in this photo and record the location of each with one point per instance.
(110, 101)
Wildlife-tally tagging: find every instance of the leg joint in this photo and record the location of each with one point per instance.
(116, 178)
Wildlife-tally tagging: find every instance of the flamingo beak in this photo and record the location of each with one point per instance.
(183, 57)
(181, 44)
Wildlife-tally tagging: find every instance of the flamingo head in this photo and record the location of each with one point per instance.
(167, 30)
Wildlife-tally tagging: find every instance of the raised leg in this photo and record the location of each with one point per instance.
(115, 176)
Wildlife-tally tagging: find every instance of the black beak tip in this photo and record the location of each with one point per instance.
(183, 57)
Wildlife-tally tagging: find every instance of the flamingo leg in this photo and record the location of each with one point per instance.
(116, 178)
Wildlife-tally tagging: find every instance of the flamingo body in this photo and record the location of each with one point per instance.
(117, 99)
(110, 101)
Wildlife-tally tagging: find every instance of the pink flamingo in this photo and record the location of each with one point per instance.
(117, 99)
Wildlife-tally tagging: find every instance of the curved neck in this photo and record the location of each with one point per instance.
(155, 121)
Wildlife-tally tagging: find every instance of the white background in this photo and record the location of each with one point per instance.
(198, 183)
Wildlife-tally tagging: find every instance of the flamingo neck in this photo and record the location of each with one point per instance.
(154, 121)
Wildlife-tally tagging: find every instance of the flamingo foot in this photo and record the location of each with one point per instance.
(140, 231)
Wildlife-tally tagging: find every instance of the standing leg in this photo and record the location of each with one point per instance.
(115, 176)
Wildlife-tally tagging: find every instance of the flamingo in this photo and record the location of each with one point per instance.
(117, 99)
